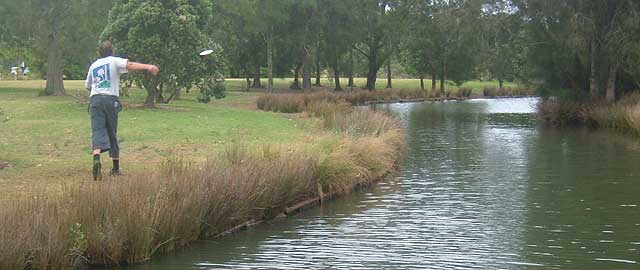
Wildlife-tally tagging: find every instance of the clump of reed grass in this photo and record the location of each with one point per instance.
(464, 92)
(561, 112)
(506, 92)
(284, 103)
(623, 115)
(295, 103)
(489, 91)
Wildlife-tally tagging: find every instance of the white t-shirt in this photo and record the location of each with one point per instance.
(104, 76)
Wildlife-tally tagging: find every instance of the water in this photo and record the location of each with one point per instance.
(483, 186)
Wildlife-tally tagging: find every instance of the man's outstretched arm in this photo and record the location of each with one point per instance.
(152, 69)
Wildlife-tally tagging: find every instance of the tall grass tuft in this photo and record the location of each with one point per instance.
(623, 115)
(292, 103)
(506, 92)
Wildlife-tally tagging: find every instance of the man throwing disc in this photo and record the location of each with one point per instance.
(103, 81)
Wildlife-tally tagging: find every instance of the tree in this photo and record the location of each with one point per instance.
(302, 19)
(234, 26)
(338, 34)
(581, 45)
(440, 38)
(271, 14)
(416, 42)
(164, 33)
(54, 13)
(63, 33)
(373, 46)
(499, 40)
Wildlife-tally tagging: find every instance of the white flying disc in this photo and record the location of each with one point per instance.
(206, 52)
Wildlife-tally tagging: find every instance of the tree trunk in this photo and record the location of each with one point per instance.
(373, 69)
(317, 64)
(256, 78)
(350, 83)
(336, 75)
(593, 76)
(270, 61)
(296, 77)
(152, 92)
(176, 95)
(443, 77)
(306, 69)
(422, 80)
(433, 79)
(245, 71)
(159, 97)
(389, 73)
(500, 83)
(150, 101)
(611, 83)
(55, 85)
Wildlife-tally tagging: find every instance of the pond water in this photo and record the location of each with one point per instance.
(483, 186)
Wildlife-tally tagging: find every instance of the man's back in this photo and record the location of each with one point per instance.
(103, 77)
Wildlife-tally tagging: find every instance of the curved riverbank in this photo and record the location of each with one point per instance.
(141, 214)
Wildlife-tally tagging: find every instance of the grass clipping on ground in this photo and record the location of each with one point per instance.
(136, 216)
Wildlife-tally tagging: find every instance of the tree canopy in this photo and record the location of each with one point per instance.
(165, 33)
(589, 48)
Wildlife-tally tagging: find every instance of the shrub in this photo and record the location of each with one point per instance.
(211, 88)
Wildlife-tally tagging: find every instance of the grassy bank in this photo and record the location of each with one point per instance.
(622, 115)
(47, 139)
(149, 211)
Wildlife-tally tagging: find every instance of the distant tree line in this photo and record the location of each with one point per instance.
(590, 49)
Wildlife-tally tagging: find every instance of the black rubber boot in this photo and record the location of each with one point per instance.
(114, 172)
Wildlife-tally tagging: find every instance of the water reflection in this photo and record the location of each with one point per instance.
(482, 187)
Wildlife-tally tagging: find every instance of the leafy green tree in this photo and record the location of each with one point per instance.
(581, 45)
(298, 42)
(338, 34)
(234, 27)
(211, 81)
(165, 33)
(57, 38)
(500, 47)
(374, 44)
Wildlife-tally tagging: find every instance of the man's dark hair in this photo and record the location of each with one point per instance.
(106, 49)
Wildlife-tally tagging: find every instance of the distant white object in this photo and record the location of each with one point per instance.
(26, 70)
(14, 70)
(206, 52)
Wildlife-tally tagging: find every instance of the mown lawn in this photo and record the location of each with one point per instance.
(47, 139)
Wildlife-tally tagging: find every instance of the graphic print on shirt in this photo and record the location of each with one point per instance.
(102, 77)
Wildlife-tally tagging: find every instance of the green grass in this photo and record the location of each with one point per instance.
(236, 84)
(47, 139)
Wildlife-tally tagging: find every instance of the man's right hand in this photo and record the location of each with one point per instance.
(154, 70)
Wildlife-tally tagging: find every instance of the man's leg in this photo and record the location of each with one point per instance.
(99, 138)
(112, 132)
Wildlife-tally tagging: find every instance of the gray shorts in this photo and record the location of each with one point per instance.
(104, 111)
